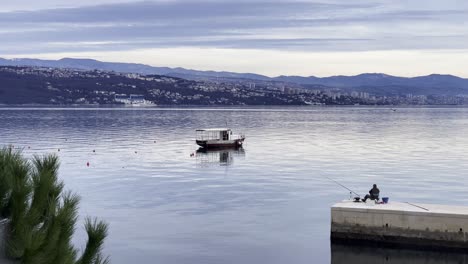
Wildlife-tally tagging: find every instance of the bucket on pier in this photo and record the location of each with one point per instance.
(385, 200)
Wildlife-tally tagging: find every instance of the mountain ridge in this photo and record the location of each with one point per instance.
(433, 83)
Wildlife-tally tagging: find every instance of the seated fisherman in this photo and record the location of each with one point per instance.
(373, 194)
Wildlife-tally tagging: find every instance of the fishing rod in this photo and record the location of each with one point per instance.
(417, 206)
(350, 191)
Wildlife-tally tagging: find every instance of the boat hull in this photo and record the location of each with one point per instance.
(211, 144)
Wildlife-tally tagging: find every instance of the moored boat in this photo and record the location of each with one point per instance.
(218, 138)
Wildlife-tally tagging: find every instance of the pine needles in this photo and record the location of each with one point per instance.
(41, 216)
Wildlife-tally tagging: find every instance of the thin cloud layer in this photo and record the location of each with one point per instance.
(287, 26)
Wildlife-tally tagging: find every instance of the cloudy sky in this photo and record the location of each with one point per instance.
(322, 38)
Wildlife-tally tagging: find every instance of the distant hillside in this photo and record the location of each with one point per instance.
(374, 83)
(21, 85)
(382, 84)
(89, 64)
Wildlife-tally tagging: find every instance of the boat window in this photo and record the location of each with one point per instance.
(209, 135)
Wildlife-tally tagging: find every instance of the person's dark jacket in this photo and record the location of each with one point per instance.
(374, 192)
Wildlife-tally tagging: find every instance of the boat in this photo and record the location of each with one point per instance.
(134, 100)
(218, 138)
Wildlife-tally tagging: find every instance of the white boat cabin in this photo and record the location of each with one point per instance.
(214, 134)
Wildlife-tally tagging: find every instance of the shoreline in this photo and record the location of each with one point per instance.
(237, 107)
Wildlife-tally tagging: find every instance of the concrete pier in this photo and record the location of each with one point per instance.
(404, 225)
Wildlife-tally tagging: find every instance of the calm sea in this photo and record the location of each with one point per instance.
(267, 203)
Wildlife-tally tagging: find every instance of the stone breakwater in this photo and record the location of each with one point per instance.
(423, 226)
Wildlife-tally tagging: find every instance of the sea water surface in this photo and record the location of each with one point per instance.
(267, 203)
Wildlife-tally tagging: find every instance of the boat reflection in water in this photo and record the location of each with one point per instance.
(221, 157)
(346, 254)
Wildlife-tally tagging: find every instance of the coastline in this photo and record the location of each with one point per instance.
(120, 106)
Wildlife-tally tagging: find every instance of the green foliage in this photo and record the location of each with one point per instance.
(97, 232)
(41, 216)
(9, 162)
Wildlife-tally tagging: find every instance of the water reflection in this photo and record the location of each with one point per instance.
(221, 157)
(345, 254)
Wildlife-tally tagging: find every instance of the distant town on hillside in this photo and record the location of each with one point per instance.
(90, 82)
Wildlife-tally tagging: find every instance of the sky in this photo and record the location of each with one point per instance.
(320, 38)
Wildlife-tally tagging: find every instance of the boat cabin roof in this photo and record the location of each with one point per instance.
(213, 129)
